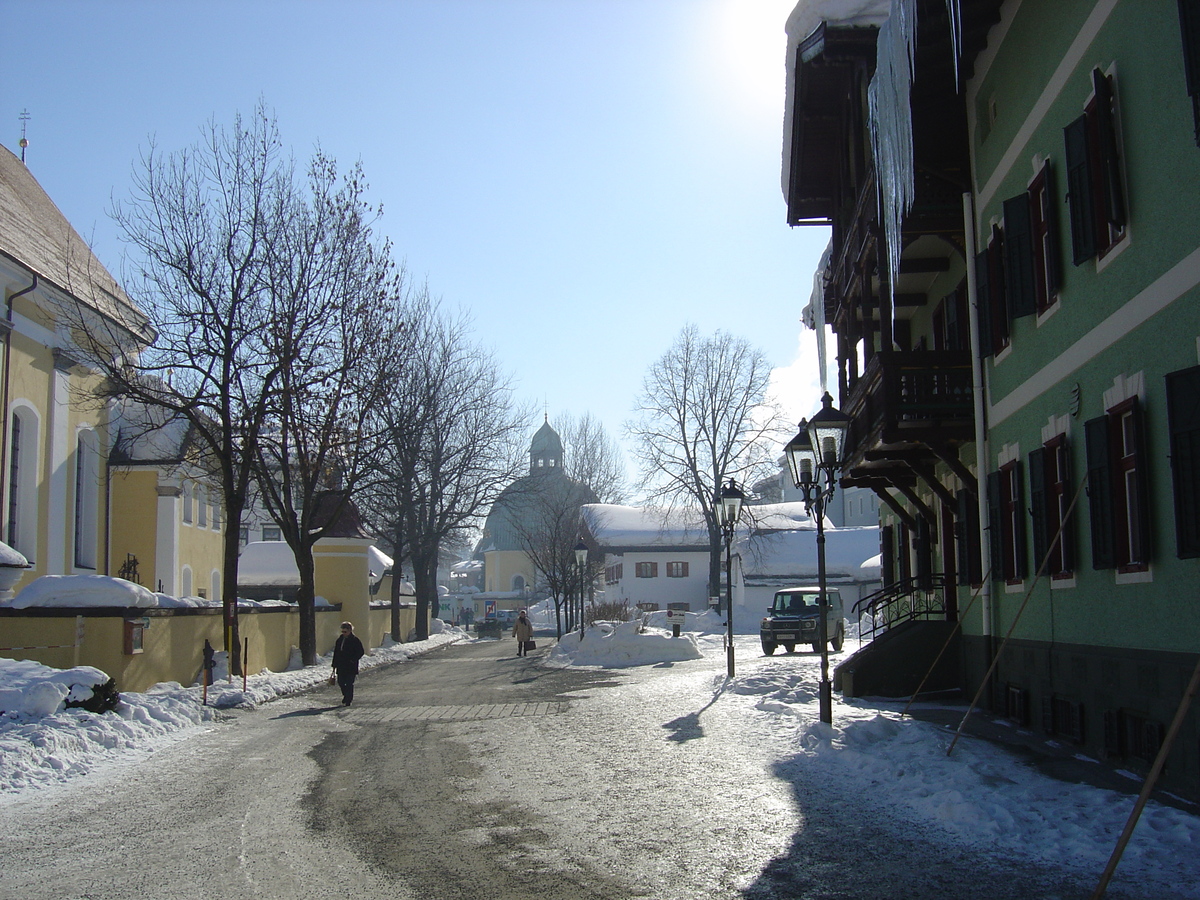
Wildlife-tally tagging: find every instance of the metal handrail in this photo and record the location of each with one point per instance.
(920, 597)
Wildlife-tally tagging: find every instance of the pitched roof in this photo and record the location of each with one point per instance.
(35, 233)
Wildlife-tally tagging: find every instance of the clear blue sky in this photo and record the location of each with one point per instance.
(585, 176)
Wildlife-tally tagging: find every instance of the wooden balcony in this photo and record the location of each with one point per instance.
(906, 398)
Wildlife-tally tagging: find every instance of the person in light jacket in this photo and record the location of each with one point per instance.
(346, 653)
(522, 631)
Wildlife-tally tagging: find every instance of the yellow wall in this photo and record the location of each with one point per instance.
(134, 521)
(342, 574)
(174, 642)
(501, 565)
(31, 382)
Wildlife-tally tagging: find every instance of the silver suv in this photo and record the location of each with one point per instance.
(795, 618)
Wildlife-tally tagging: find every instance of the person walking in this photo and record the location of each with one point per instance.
(347, 651)
(523, 632)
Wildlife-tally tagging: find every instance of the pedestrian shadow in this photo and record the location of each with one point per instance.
(688, 728)
(311, 711)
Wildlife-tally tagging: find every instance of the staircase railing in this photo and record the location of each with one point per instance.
(922, 597)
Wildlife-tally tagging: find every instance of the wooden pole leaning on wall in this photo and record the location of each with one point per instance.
(1148, 784)
(245, 661)
(1017, 618)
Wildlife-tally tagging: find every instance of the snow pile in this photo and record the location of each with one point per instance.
(88, 591)
(41, 743)
(29, 688)
(617, 645)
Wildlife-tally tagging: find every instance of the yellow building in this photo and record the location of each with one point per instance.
(88, 485)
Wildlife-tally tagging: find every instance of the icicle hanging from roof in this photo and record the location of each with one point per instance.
(891, 120)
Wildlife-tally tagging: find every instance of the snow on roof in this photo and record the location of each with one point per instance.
(267, 563)
(612, 525)
(803, 21)
(793, 554)
(378, 562)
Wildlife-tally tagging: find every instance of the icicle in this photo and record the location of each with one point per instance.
(891, 127)
(890, 111)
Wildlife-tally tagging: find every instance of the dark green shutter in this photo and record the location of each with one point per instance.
(995, 536)
(1037, 506)
(1020, 551)
(1053, 245)
(1110, 164)
(1189, 26)
(1183, 416)
(1142, 473)
(1100, 499)
(1018, 257)
(1068, 528)
(1079, 192)
(983, 307)
(887, 551)
(924, 548)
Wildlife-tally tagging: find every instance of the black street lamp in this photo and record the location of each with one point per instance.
(729, 510)
(581, 552)
(826, 431)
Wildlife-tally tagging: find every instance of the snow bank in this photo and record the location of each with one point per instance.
(617, 645)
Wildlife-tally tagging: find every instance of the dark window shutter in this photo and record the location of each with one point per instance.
(1100, 500)
(1183, 415)
(924, 550)
(1037, 505)
(1189, 25)
(1110, 165)
(1079, 192)
(1020, 553)
(966, 534)
(1142, 521)
(995, 536)
(1053, 248)
(1068, 527)
(1018, 257)
(983, 304)
(886, 555)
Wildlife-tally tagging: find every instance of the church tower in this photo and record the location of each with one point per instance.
(545, 450)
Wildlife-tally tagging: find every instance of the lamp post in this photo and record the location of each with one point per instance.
(581, 552)
(729, 510)
(814, 458)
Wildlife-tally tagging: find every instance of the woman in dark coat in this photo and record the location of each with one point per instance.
(346, 653)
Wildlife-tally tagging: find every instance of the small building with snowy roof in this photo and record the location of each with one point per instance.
(653, 558)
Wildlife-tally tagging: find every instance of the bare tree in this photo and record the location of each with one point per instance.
(543, 515)
(704, 417)
(199, 222)
(454, 442)
(592, 457)
(335, 329)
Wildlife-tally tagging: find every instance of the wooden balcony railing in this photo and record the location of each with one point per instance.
(922, 396)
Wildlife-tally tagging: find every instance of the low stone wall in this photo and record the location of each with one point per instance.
(142, 647)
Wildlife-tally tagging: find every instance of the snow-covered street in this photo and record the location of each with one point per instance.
(659, 778)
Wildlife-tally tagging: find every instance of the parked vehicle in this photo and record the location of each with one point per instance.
(794, 618)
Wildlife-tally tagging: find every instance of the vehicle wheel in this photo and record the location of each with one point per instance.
(769, 648)
(790, 648)
(816, 645)
(839, 637)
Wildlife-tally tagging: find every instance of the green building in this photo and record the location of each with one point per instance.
(1013, 283)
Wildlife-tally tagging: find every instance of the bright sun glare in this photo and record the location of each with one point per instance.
(748, 47)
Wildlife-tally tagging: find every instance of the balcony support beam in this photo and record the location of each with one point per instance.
(950, 458)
